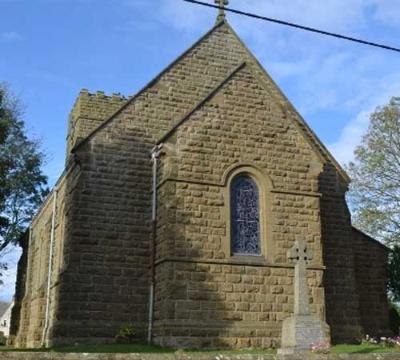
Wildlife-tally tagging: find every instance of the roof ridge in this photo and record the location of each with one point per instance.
(201, 102)
(148, 85)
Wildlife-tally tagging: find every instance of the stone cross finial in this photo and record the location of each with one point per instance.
(300, 254)
(221, 4)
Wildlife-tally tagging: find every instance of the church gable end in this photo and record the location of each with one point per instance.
(157, 107)
(112, 196)
(229, 140)
(242, 122)
(239, 131)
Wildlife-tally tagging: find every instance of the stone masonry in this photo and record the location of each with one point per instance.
(89, 111)
(216, 113)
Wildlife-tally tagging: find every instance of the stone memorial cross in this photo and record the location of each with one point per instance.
(301, 255)
(221, 4)
(302, 329)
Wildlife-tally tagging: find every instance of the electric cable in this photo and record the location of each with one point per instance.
(297, 26)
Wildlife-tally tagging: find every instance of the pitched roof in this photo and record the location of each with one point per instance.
(308, 133)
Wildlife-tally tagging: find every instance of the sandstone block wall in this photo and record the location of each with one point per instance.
(29, 320)
(371, 260)
(342, 297)
(217, 304)
(111, 200)
(213, 298)
(28, 315)
(104, 284)
(33, 305)
(19, 288)
(204, 296)
(88, 112)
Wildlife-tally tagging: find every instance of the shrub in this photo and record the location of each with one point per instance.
(393, 270)
(126, 334)
(394, 319)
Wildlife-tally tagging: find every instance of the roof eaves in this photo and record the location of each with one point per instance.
(148, 85)
(202, 102)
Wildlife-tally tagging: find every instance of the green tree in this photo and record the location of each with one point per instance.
(22, 183)
(394, 273)
(375, 188)
(375, 173)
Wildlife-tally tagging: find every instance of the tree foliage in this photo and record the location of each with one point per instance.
(375, 189)
(394, 273)
(22, 183)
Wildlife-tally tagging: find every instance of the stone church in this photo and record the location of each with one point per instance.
(177, 207)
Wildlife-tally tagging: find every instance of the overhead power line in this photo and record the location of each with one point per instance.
(297, 26)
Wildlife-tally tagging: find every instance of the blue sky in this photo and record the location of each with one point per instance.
(50, 49)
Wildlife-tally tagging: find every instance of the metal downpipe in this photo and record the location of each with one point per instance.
(50, 269)
(155, 154)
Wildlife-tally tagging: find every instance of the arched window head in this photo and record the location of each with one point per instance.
(245, 216)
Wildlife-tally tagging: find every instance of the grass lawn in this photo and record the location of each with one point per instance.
(362, 349)
(152, 349)
(231, 352)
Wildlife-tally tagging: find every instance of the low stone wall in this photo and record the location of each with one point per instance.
(180, 356)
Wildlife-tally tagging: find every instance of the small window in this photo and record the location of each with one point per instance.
(245, 216)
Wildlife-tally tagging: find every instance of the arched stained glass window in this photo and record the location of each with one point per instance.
(245, 216)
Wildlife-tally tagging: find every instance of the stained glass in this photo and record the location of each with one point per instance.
(245, 216)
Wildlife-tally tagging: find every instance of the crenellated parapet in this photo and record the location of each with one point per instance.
(88, 112)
